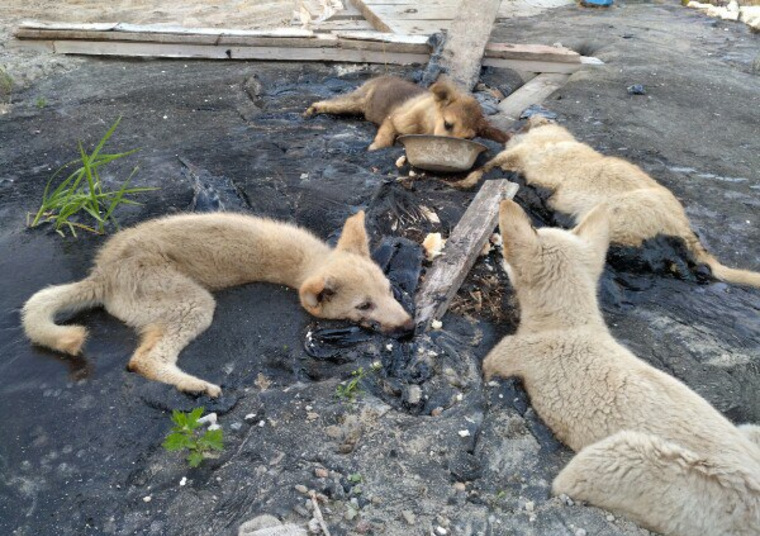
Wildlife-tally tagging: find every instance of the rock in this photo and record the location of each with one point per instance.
(414, 395)
(409, 517)
(321, 472)
(636, 89)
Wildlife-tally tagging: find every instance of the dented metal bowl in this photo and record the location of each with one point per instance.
(440, 153)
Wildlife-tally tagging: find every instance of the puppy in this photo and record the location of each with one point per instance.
(580, 178)
(400, 107)
(158, 277)
(647, 445)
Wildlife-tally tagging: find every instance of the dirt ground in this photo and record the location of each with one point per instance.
(80, 451)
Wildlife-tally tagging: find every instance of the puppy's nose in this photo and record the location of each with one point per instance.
(404, 331)
(408, 325)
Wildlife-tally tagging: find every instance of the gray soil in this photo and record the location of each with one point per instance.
(80, 450)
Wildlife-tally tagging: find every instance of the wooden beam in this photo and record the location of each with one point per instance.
(466, 41)
(371, 16)
(531, 52)
(462, 249)
(234, 52)
(533, 92)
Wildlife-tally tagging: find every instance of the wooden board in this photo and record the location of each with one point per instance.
(531, 52)
(172, 50)
(372, 17)
(533, 66)
(533, 92)
(466, 41)
(462, 249)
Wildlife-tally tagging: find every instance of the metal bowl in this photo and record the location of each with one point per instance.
(440, 153)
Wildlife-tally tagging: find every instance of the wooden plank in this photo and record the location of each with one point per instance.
(386, 37)
(462, 248)
(531, 52)
(533, 66)
(418, 27)
(466, 41)
(162, 29)
(178, 50)
(371, 16)
(533, 92)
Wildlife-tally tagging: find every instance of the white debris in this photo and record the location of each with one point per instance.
(464, 433)
(433, 245)
(214, 427)
(250, 416)
(147, 498)
(430, 214)
(412, 173)
(389, 346)
(442, 531)
(436, 324)
(401, 161)
(208, 419)
(183, 481)
(261, 423)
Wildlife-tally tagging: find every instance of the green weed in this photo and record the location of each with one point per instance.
(350, 390)
(82, 191)
(185, 436)
(41, 103)
(6, 86)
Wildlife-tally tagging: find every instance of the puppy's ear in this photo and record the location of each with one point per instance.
(535, 121)
(594, 228)
(517, 232)
(353, 238)
(443, 91)
(314, 292)
(490, 132)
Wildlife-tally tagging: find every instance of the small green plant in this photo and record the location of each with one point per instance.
(82, 191)
(350, 390)
(41, 102)
(355, 478)
(185, 436)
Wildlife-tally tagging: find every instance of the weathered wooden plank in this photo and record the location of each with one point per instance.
(371, 16)
(418, 27)
(179, 50)
(162, 29)
(531, 52)
(462, 248)
(533, 66)
(533, 92)
(386, 37)
(467, 38)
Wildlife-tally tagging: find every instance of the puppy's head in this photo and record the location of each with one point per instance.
(349, 285)
(551, 259)
(460, 116)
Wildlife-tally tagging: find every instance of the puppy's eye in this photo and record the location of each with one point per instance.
(447, 125)
(366, 306)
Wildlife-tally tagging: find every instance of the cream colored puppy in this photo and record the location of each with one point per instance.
(580, 178)
(158, 276)
(648, 446)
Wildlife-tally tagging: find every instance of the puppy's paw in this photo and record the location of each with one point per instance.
(373, 147)
(213, 391)
(199, 387)
(312, 110)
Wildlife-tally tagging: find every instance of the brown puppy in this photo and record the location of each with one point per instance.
(580, 178)
(158, 277)
(399, 107)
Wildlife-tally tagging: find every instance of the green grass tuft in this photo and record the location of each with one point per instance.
(82, 192)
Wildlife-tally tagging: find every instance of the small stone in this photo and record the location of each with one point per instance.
(363, 526)
(610, 518)
(436, 411)
(412, 173)
(300, 488)
(301, 511)
(321, 472)
(580, 532)
(236, 426)
(436, 324)
(442, 531)
(350, 514)
(147, 498)
(464, 433)
(183, 481)
(636, 89)
(460, 486)
(530, 506)
(250, 417)
(409, 517)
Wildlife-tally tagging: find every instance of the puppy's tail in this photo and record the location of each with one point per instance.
(38, 315)
(720, 271)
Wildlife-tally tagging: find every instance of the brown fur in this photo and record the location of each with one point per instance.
(646, 444)
(580, 178)
(399, 107)
(157, 278)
